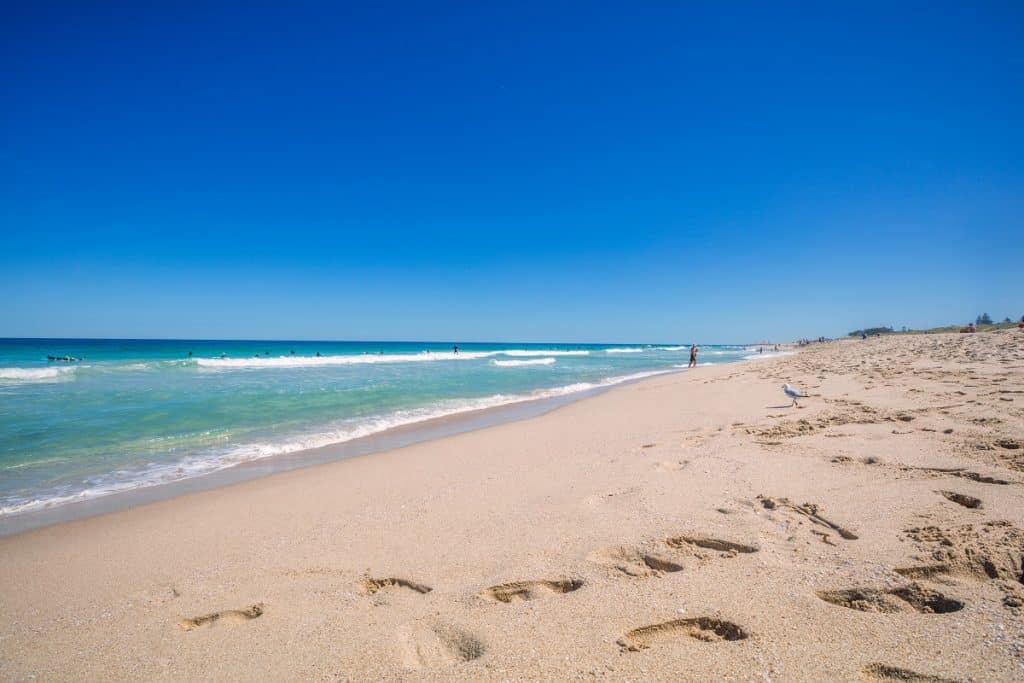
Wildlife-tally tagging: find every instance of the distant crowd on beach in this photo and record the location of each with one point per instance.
(760, 349)
(819, 340)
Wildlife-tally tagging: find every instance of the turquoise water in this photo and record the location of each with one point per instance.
(134, 413)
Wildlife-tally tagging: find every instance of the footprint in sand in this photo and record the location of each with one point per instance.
(961, 499)
(808, 510)
(231, 616)
(990, 551)
(633, 562)
(925, 572)
(956, 472)
(706, 629)
(980, 478)
(884, 672)
(727, 548)
(888, 600)
(438, 646)
(845, 459)
(671, 466)
(530, 590)
(372, 586)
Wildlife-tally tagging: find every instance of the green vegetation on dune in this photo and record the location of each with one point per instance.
(957, 328)
(983, 323)
(872, 331)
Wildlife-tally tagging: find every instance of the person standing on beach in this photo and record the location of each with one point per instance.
(693, 356)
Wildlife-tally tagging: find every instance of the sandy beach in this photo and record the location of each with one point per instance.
(690, 526)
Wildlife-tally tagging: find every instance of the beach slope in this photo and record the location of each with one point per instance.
(691, 526)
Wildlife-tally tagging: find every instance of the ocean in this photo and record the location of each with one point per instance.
(131, 414)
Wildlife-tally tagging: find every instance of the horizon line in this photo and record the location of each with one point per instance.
(384, 341)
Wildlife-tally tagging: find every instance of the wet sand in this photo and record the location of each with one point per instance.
(686, 527)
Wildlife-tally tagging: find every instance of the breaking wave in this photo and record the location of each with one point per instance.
(24, 375)
(541, 352)
(372, 358)
(319, 361)
(517, 363)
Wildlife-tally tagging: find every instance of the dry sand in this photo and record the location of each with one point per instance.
(688, 527)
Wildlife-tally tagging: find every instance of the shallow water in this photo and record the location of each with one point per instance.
(134, 413)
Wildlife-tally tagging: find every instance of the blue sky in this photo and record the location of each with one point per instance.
(548, 171)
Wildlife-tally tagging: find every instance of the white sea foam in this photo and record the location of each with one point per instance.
(197, 465)
(24, 375)
(626, 350)
(540, 352)
(371, 358)
(516, 363)
(672, 348)
(134, 367)
(771, 354)
(319, 361)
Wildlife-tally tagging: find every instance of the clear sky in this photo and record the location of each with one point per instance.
(667, 171)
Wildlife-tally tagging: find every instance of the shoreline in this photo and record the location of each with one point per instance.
(390, 438)
(690, 525)
(200, 437)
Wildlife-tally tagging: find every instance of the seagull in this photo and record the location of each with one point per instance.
(793, 394)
